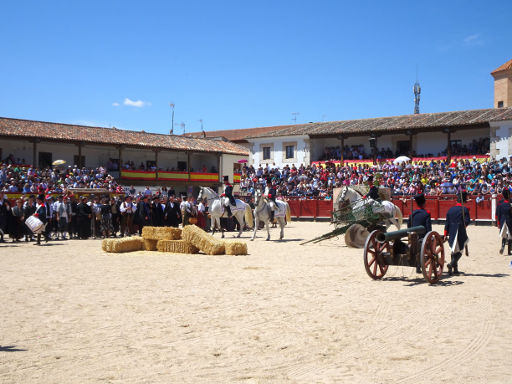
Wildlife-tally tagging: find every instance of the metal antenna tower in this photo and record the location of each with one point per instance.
(417, 91)
(294, 118)
(182, 125)
(172, 118)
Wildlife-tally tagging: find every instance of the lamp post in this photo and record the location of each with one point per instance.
(172, 118)
(373, 146)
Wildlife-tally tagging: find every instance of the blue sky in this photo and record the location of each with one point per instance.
(241, 64)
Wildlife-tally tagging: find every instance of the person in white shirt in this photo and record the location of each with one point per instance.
(63, 215)
(127, 209)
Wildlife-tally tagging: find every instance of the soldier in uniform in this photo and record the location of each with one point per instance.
(504, 218)
(420, 217)
(457, 219)
(41, 215)
(228, 196)
(270, 194)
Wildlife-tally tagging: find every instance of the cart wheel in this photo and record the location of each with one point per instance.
(374, 256)
(356, 236)
(432, 257)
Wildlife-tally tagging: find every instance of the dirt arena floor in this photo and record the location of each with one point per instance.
(285, 313)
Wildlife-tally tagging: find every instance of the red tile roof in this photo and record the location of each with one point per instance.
(504, 67)
(239, 135)
(423, 121)
(85, 134)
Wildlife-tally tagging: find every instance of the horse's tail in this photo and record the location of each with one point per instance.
(399, 216)
(288, 213)
(249, 219)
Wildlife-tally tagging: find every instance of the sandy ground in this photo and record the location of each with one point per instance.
(286, 313)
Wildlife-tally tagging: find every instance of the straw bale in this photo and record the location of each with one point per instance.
(150, 245)
(106, 245)
(127, 244)
(235, 247)
(161, 233)
(176, 246)
(200, 239)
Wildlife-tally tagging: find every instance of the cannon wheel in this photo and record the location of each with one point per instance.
(432, 257)
(356, 236)
(374, 262)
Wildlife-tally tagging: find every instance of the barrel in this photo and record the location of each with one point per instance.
(34, 224)
(382, 237)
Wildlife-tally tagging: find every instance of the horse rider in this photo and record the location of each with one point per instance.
(270, 194)
(504, 221)
(373, 193)
(228, 196)
(421, 217)
(457, 219)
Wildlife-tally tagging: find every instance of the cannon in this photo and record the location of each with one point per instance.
(383, 249)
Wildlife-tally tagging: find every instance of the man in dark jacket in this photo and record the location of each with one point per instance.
(420, 217)
(172, 213)
(157, 212)
(84, 216)
(4, 215)
(457, 219)
(143, 213)
(504, 221)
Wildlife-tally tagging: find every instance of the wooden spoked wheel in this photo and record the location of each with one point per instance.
(432, 257)
(374, 251)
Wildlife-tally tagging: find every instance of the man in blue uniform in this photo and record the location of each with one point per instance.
(228, 194)
(373, 192)
(457, 219)
(504, 219)
(420, 217)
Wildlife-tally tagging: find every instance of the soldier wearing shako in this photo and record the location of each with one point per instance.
(504, 218)
(228, 196)
(420, 217)
(270, 195)
(457, 219)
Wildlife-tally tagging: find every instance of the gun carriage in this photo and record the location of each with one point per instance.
(383, 249)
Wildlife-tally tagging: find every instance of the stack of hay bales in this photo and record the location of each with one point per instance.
(190, 240)
(205, 242)
(128, 244)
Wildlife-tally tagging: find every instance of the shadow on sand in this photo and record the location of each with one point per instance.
(10, 348)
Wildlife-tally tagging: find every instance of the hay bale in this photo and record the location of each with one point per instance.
(127, 244)
(161, 233)
(106, 245)
(150, 245)
(200, 239)
(235, 247)
(176, 246)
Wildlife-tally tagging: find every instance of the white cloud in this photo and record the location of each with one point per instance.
(473, 39)
(135, 103)
(115, 104)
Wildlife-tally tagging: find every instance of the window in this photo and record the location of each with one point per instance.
(500, 104)
(45, 159)
(290, 151)
(79, 162)
(182, 166)
(266, 153)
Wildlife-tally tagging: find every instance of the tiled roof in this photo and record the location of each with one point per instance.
(100, 135)
(397, 123)
(504, 67)
(239, 135)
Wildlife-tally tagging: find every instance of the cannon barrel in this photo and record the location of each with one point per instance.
(387, 236)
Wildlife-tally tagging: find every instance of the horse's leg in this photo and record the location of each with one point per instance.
(221, 229)
(268, 229)
(213, 225)
(241, 222)
(281, 223)
(256, 224)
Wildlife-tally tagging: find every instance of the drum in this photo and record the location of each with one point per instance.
(34, 224)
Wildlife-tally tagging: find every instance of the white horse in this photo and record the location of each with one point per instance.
(389, 211)
(242, 212)
(262, 213)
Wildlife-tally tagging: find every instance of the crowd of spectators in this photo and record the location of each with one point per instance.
(430, 177)
(358, 152)
(29, 180)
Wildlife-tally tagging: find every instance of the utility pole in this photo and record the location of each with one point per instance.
(202, 129)
(172, 118)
